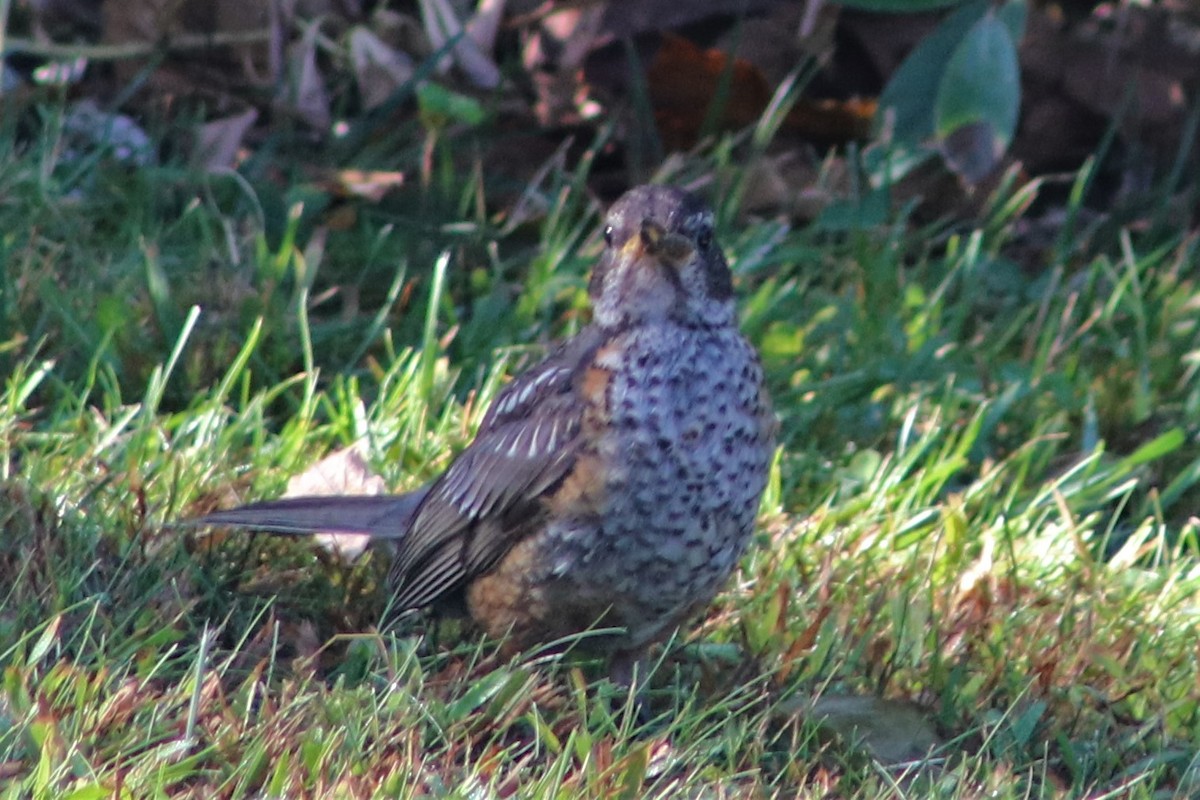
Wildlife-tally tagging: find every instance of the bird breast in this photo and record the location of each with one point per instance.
(681, 446)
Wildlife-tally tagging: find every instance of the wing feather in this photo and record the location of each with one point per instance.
(473, 513)
(439, 572)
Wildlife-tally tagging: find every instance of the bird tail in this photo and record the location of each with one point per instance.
(377, 516)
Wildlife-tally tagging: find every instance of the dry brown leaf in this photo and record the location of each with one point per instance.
(218, 141)
(484, 24)
(369, 184)
(442, 25)
(832, 120)
(343, 472)
(683, 80)
(379, 70)
(305, 92)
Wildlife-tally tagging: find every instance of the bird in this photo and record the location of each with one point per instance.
(612, 487)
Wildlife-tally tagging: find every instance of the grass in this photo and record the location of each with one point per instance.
(982, 528)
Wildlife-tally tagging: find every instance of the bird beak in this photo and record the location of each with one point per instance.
(672, 249)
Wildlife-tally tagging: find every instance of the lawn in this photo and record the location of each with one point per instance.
(980, 537)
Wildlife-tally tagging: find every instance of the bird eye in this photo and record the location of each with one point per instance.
(704, 238)
(608, 235)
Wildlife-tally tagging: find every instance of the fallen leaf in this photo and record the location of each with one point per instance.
(832, 121)
(304, 93)
(218, 142)
(343, 472)
(369, 184)
(685, 79)
(441, 26)
(379, 70)
(484, 24)
(891, 731)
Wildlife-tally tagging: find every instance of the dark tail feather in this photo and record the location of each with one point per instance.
(379, 516)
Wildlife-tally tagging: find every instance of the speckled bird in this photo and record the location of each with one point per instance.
(614, 485)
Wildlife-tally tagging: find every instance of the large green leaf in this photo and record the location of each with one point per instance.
(978, 99)
(907, 102)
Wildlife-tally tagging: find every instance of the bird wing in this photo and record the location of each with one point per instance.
(477, 510)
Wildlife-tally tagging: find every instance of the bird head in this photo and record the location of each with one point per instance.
(660, 261)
